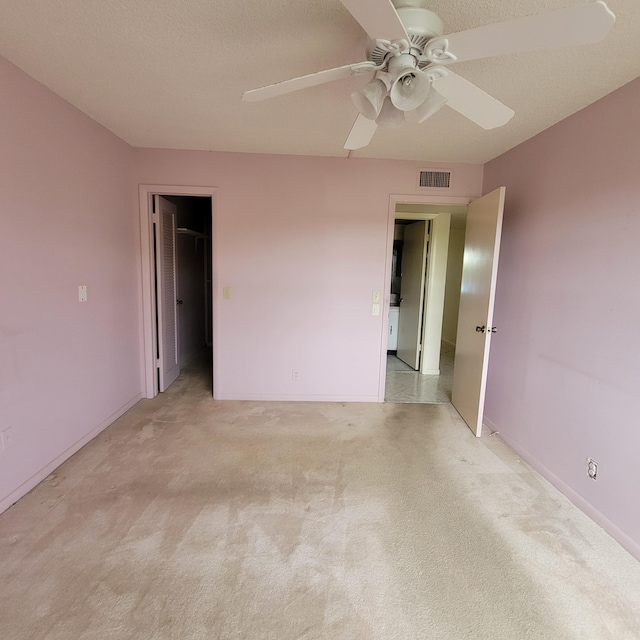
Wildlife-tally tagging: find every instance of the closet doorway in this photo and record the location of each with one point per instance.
(177, 234)
(193, 279)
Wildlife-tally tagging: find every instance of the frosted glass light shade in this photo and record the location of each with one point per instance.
(410, 89)
(390, 116)
(433, 103)
(370, 98)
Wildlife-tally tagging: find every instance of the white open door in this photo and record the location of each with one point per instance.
(414, 263)
(165, 231)
(475, 318)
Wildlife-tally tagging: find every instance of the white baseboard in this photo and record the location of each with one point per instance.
(294, 398)
(449, 343)
(619, 536)
(38, 477)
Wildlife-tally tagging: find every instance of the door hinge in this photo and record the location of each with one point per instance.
(158, 363)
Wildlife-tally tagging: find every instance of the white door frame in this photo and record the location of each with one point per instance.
(148, 302)
(429, 337)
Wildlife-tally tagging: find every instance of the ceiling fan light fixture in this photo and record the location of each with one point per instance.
(408, 51)
(434, 102)
(370, 98)
(410, 89)
(390, 116)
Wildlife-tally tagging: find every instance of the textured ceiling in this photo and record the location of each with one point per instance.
(161, 73)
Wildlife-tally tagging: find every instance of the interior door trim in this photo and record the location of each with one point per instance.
(147, 266)
(446, 202)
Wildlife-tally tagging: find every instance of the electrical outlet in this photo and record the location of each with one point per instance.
(592, 468)
(295, 374)
(7, 438)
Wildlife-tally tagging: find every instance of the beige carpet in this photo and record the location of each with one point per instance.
(195, 519)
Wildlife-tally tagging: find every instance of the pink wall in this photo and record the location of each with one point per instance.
(68, 215)
(564, 373)
(302, 243)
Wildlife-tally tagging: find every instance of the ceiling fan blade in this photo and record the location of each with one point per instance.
(584, 24)
(471, 101)
(303, 82)
(361, 133)
(378, 18)
(434, 102)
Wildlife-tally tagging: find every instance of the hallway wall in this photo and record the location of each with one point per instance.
(564, 375)
(67, 208)
(454, 281)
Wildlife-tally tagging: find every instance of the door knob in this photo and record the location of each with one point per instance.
(480, 329)
(178, 301)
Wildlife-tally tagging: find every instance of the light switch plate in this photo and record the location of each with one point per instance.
(376, 310)
(226, 293)
(375, 296)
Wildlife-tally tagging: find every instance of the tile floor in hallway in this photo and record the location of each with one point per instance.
(406, 385)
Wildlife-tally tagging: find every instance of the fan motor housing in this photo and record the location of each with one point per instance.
(421, 24)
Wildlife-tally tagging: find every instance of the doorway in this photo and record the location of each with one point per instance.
(424, 293)
(477, 296)
(180, 222)
(193, 281)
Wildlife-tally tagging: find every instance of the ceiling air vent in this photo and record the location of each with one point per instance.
(434, 179)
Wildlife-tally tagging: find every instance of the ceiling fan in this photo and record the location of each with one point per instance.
(410, 58)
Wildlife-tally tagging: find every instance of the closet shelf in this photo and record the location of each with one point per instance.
(190, 232)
